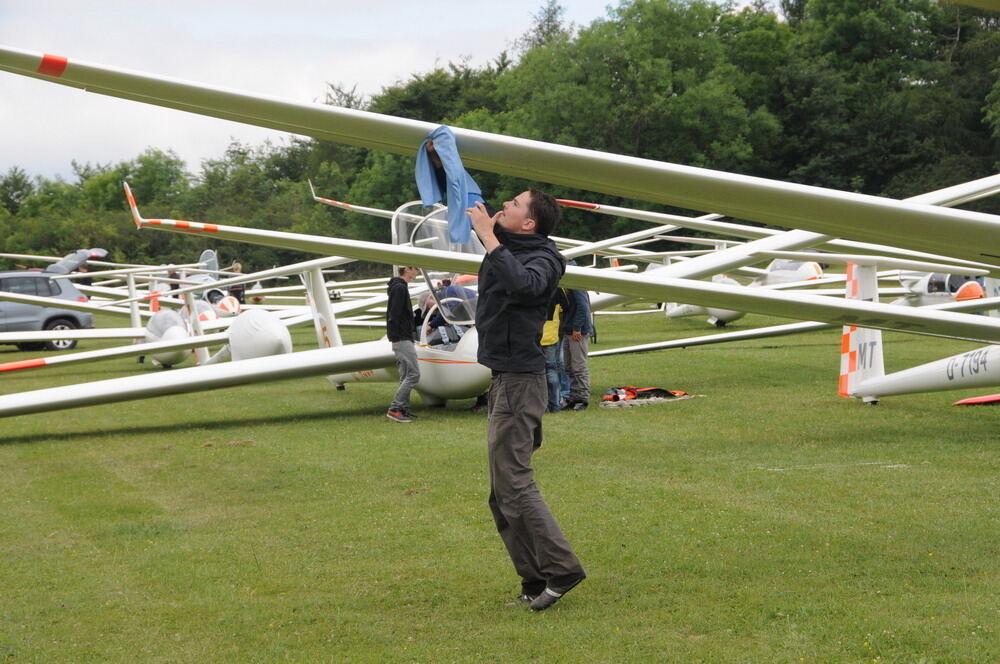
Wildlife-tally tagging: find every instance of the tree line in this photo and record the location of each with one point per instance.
(884, 97)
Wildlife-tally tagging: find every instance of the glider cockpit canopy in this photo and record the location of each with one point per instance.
(427, 228)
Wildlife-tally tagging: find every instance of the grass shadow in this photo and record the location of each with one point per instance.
(211, 425)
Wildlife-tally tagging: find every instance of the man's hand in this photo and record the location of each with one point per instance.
(577, 335)
(483, 224)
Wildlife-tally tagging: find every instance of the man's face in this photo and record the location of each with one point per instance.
(514, 217)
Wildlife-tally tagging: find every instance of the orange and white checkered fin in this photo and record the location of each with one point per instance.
(203, 309)
(860, 348)
(228, 306)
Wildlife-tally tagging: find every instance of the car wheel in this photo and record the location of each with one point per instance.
(60, 344)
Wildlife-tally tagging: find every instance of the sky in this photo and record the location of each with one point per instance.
(288, 48)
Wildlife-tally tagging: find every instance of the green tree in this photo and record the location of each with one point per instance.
(15, 186)
(549, 25)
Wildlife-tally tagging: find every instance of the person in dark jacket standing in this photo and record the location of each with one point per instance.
(399, 326)
(518, 275)
(577, 326)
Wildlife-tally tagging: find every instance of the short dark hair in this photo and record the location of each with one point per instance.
(403, 268)
(544, 210)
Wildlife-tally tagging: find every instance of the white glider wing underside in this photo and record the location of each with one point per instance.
(774, 331)
(78, 335)
(342, 359)
(957, 233)
(129, 350)
(56, 303)
(725, 337)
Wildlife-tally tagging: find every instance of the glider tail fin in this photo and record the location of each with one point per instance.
(860, 348)
(210, 260)
(992, 287)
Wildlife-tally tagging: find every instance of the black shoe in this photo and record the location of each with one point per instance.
(580, 405)
(552, 595)
(410, 414)
(522, 600)
(482, 404)
(399, 416)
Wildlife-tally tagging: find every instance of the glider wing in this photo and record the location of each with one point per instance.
(958, 233)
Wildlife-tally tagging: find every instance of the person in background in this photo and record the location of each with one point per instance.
(237, 290)
(399, 328)
(578, 325)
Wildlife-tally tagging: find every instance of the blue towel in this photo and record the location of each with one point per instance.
(461, 190)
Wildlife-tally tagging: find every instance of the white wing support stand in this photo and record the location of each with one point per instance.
(327, 331)
(201, 354)
(133, 307)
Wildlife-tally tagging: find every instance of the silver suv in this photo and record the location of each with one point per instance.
(17, 317)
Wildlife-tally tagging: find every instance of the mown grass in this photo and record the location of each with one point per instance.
(770, 521)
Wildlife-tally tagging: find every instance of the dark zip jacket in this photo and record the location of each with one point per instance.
(399, 312)
(516, 282)
(577, 317)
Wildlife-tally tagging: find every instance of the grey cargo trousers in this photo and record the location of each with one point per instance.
(537, 547)
(409, 373)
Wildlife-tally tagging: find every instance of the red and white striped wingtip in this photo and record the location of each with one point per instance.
(565, 202)
(331, 202)
(23, 364)
(195, 226)
(132, 205)
(192, 226)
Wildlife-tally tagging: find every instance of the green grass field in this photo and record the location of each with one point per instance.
(771, 521)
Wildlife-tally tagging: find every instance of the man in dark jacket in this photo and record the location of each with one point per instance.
(519, 273)
(399, 326)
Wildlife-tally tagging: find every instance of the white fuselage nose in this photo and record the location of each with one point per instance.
(444, 374)
(258, 333)
(173, 357)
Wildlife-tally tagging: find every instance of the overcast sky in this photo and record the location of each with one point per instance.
(285, 48)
